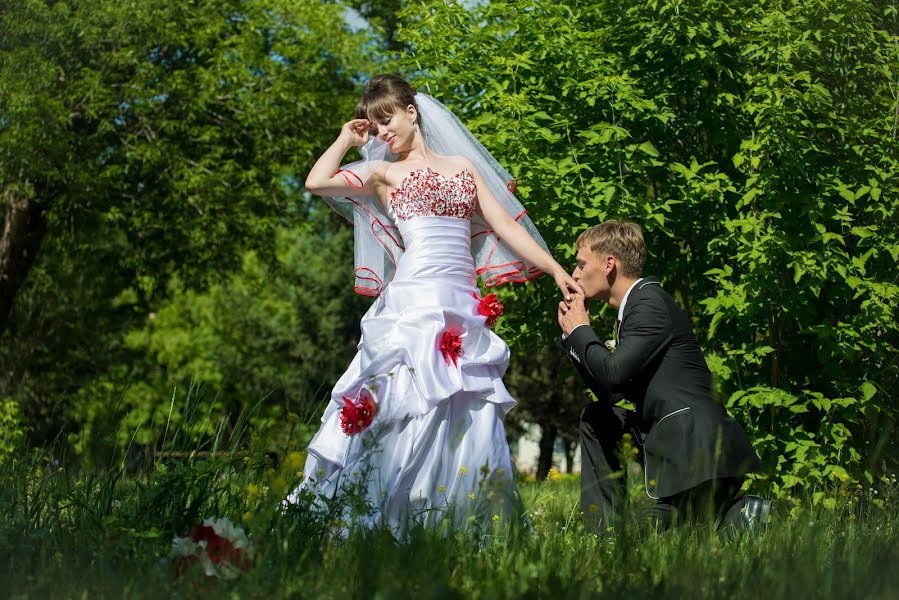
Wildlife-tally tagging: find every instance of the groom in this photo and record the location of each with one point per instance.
(694, 455)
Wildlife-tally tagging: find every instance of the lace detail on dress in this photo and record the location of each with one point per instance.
(425, 192)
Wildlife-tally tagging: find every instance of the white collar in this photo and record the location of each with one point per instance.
(624, 300)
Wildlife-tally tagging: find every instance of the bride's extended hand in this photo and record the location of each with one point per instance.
(356, 132)
(566, 284)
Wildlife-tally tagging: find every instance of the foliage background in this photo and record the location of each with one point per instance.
(163, 147)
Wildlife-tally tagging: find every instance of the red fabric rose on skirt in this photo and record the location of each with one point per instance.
(491, 308)
(451, 345)
(355, 417)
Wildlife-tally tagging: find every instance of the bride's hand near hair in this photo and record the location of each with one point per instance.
(356, 132)
(324, 180)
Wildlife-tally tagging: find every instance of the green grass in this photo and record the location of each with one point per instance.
(97, 533)
(83, 531)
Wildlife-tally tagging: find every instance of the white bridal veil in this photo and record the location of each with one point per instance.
(378, 244)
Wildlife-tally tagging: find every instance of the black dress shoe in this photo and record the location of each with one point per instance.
(750, 513)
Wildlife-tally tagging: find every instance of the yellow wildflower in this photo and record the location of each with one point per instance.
(252, 491)
(554, 475)
(293, 461)
(652, 483)
(441, 488)
(246, 516)
(496, 518)
(472, 495)
(463, 471)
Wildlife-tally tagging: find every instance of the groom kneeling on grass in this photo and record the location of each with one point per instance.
(695, 456)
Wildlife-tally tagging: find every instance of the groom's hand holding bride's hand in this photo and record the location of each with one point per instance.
(573, 314)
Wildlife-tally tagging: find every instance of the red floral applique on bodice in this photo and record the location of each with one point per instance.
(427, 193)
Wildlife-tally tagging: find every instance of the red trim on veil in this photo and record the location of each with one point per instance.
(347, 179)
(517, 274)
(378, 229)
(367, 291)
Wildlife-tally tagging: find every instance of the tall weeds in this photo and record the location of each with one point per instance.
(72, 531)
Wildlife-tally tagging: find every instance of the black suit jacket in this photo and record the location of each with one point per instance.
(658, 365)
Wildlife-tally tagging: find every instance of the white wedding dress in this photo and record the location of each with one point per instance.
(436, 448)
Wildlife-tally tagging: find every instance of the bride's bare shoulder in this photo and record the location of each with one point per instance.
(455, 163)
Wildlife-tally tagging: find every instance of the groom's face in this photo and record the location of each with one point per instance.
(592, 273)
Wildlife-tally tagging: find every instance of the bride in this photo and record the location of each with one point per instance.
(415, 425)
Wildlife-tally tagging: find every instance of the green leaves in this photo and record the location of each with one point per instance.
(868, 390)
(753, 141)
(182, 133)
(164, 142)
(748, 140)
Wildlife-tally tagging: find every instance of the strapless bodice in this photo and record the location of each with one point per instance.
(427, 193)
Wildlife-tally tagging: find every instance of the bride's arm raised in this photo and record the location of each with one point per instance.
(513, 234)
(324, 180)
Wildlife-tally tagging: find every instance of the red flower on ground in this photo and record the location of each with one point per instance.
(357, 416)
(451, 345)
(218, 548)
(218, 555)
(491, 308)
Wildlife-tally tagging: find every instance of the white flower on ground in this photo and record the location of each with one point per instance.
(183, 546)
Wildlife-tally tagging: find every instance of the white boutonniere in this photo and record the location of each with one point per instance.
(610, 344)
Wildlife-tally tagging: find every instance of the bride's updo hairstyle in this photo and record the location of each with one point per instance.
(383, 95)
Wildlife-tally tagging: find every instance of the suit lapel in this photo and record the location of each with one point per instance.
(631, 299)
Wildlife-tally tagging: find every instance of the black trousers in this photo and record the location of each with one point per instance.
(603, 481)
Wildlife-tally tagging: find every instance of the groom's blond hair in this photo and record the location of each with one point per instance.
(621, 239)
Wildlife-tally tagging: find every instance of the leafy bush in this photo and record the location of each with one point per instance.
(756, 144)
(12, 430)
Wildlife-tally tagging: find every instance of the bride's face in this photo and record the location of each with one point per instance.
(397, 129)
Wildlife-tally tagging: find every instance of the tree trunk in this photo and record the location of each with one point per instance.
(570, 446)
(547, 442)
(24, 227)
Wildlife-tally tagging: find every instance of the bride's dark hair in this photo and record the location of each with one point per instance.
(383, 95)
